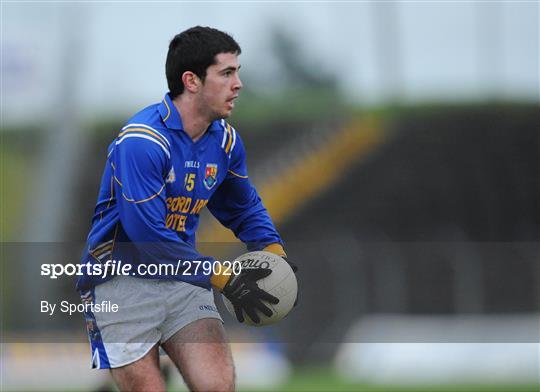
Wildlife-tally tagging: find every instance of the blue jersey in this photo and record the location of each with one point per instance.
(156, 182)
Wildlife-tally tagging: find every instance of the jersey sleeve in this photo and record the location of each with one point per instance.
(139, 166)
(237, 205)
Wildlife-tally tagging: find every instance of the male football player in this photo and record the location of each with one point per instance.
(168, 162)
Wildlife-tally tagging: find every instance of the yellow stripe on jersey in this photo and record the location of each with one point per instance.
(98, 249)
(143, 200)
(236, 174)
(168, 110)
(133, 200)
(110, 199)
(112, 194)
(108, 248)
(102, 251)
(144, 130)
(229, 143)
(114, 176)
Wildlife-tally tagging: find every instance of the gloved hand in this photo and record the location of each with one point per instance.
(245, 295)
(278, 250)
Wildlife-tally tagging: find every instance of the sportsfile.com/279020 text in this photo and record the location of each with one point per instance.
(116, 267)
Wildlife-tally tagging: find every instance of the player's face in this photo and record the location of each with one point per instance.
(221, 86)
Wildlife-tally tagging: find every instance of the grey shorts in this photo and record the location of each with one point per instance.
(149, 311)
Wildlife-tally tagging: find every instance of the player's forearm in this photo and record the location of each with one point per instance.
(257, 230)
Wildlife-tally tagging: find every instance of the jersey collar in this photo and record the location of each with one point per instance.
(171, 116)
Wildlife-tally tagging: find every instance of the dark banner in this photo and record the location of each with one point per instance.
(347, 291)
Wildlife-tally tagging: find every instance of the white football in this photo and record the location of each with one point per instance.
(281, 283)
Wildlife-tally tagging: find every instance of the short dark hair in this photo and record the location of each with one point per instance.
(195, 50)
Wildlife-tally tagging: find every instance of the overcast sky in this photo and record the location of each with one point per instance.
(415, 50)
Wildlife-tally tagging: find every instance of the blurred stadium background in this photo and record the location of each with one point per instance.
(396, 145)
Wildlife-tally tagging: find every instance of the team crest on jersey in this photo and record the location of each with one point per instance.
(210, 175)
(171, 177)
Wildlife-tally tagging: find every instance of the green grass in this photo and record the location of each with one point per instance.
(325, 380)
(317, 380)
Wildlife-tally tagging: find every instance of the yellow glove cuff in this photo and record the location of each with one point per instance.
(219, 280)
(276, 249)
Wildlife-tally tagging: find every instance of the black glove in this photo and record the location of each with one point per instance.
(295, 270)
(293, 266)
(244, 293)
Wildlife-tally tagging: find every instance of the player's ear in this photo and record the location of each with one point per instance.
(191, 81)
